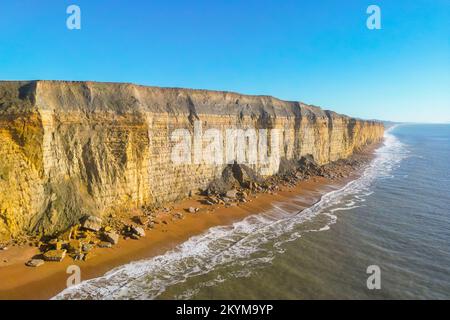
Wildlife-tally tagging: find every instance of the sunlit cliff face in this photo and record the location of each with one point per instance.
(72, 148)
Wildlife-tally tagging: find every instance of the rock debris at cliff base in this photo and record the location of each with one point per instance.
(81, 241)
(76, 149)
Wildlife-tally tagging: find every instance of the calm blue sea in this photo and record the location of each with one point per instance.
(396, 216)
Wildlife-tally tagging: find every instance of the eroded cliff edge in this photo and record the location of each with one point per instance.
(68, 149)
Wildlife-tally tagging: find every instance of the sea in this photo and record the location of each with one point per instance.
(385, 235)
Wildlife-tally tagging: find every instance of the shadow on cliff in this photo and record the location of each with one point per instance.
(69, 201)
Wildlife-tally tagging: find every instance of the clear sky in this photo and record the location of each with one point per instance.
(319, 52)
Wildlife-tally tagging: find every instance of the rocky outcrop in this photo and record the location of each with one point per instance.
(74, 149)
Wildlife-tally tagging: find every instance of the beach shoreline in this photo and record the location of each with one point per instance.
(18, 281)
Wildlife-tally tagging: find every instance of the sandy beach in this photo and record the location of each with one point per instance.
(18, 281)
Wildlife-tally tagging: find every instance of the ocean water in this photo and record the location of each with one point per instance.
(396, 216)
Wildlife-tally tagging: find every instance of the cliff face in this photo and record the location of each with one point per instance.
(72, 148)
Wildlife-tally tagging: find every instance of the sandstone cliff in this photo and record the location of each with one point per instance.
(72, 148)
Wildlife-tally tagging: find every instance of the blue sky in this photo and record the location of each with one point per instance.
(318, 52)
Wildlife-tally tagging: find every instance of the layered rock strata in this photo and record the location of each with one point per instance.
(68, 149)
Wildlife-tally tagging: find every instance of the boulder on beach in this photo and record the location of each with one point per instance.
(178, 215)
(231, 194)
(86, 247)
(138, 231)
(35, 263)
(74, 246)
(105, 244)
(192, 210)
(92, 223)
(111, 237)
(55, 255)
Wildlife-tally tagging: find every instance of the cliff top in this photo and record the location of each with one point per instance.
(89, 96)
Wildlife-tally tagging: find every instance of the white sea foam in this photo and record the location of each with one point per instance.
(238, 249)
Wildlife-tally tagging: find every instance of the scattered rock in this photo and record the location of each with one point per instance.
(67, 235)
(111, 237)
(35, 263)
(231, 194)
(74, 246)
(192, 210)
(86, 247)
(178, 215)
(138, 231)
(56, 244)
(55, 255)
(105, 244)
(79, 256)
(140, 220)
(87, 236)
(92, 223)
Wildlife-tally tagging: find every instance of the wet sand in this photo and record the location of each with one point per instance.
(18, 281)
